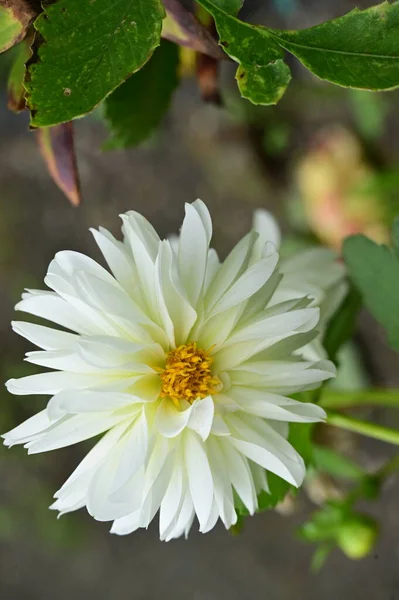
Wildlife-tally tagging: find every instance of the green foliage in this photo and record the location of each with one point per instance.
(375, 271)
(136, 108)
(338, 524)
(85, 50)
(342, 325)
(359, 50)
(335, 464)
(262, 76)
(229, 6)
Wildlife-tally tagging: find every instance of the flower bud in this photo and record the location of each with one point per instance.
(357, 536)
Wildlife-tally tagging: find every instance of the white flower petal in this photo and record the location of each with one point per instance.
(272, 406)
(134, 453)
(144, 243)
(266, 226)
(248, 284)
(240, 476)
(172, 501)
(222, 484)
(286, 469)
(73, 494)
(101, 503)
(72, 430)
(199, 477)
(52, 383)
(87, 401)
(127, 524)
(45, 337)
(171, 421)
(193, 250)
(49, 306)
(28, 429)
(181, 313)
(184, 521)
(119, 261)
(201, 417)
(230, 270)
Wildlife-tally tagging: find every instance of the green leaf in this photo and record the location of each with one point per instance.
(262, 75)
(320, 556)
(85, 51)
(136, 108)
(395, 236)
(15, 19)
(229, 6)
(375, 271)
(336, 464)
(359, 50)
(16, 89)
(343, 323)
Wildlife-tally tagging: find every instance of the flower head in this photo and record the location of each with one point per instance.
(183, 362)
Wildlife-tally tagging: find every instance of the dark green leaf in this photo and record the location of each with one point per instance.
(15, 19)
(335, 464)
(136, 108)
(85, 50)
(229, 6)
(343, 323)
(262, 75)
(375, 271)
(359, 50)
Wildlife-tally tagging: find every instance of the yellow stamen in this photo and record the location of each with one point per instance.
(187, 374)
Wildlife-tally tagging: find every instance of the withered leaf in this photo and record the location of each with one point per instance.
(58, 150)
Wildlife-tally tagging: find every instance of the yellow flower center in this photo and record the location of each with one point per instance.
(187, 374)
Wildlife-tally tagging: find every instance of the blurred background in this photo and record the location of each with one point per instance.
(326, 162)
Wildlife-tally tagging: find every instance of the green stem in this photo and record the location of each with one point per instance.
(340, 399)
(372, 430)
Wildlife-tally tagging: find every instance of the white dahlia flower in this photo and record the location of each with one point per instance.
(183, 362)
